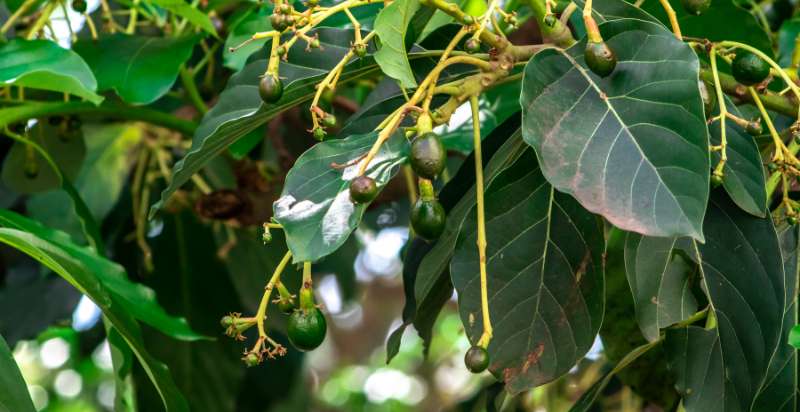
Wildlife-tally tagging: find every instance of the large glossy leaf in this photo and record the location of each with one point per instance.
(743, 176)
(14, 396)
(391, 26)
(661, 280)
(240, 109)
(723, 21)
(189, 12)
(779, 393)
(602, 139)
(723, 369)
(42, 64)
(82, 269)
(545, 277)
(140, 69)
(315, 207)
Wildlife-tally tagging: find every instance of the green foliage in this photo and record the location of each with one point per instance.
(140, 69)
(42, 64)
(600, 183)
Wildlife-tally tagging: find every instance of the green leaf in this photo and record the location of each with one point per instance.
(84, 270)
(545, 277)
(661, 281)
(743, 176)
(253, 21)
(140, 69)
(240, 109)
(47, 164)
(193, 282)
(778, 392)
(724, 20)
(608, 10)
(391, 26)
(787, 36)
(585, 402)
(315, 207)
(648, 376)
(100, 181)
(187, 11)
(66, 149)
(90, 272)
(421, 314)
(722, 369)
(14, 396)
(42, 64)
(602, 140)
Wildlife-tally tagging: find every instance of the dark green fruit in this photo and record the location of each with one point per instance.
(314, 44)
(600, 58)
(226, 321)
(79, 6)
(772, 167)
(363, 189)
(749, 69)
(550, 20)
(467, 19)
(360, 49)
(270, 88)
(428, 156)
(696, 7)
(428, 218)
(279, 22)
(476, 359)
(306, 328)
(472, 45)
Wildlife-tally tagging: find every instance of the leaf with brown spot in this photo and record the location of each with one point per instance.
(545, 277)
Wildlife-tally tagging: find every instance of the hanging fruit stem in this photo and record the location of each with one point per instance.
(476, 127)
(592, 31)
(261, 314)
(673, 18)
(723, 116)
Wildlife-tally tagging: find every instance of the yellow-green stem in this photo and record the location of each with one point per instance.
(261, 314)
(673, 18)
(718, 171)
(476, 127)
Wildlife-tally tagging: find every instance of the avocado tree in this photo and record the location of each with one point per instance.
(574, 171)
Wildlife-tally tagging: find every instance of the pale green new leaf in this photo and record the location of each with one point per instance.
(43, 64)
(391, 26)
